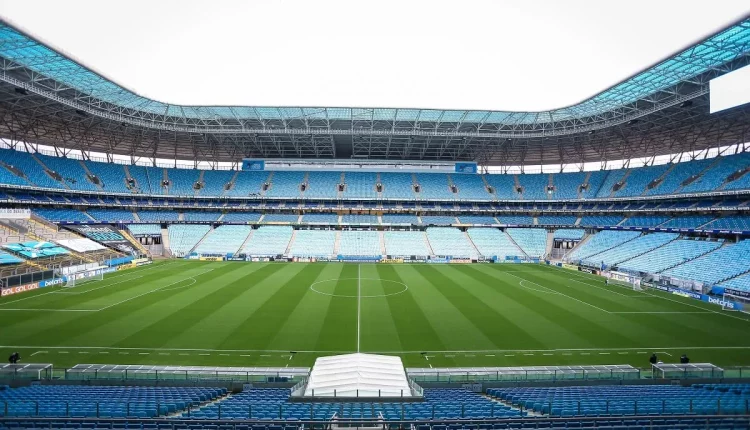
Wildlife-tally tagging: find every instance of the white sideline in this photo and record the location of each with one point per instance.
(706, 310)
(661, 349)
(112, 305)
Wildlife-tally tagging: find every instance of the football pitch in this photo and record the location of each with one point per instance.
(184, 312)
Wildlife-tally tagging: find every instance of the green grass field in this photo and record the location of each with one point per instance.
(253, 314)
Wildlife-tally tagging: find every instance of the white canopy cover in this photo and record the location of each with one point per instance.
(363, 375)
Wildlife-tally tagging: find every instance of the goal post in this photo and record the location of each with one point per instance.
(735, 303)
(624, 280)
(76, 279)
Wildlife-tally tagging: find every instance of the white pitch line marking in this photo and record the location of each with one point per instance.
(359, 303)
(546, 354)
(204, 354)
(38, 352)
(603, 353)
(489, 355)
(143, 353)
(557, 292)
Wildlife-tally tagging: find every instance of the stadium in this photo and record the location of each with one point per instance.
(169, 266)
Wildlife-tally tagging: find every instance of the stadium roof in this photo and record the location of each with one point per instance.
(46, 97)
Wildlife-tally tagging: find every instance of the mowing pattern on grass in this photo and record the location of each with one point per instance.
(228, 313)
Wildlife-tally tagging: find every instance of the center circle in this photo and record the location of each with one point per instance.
(326, 287)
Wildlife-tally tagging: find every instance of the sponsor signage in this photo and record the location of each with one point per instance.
(466, 167)
(8, 213)
(19, 289)
(51, 282)
(107, 235)
(460, 260)
(702, 297)
(738, 293)
(721, 302)
(211, 258)
(256, 165)
(439, 260)
(392, 260)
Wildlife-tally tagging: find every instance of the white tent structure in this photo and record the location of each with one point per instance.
(358, 375)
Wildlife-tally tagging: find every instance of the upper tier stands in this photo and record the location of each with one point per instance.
(638, 180)
(534, 186)
(631, 249)
(184, 237)
(741, 283)
(157, 216)
(645, 221)
(399, 219)
(215, 181)
(285, 184)
(681, 172)
(359, 219)
(533, 241)
(569, 233)
(224, 239)
(57, 215)
(477, 219)
(67, 173)
(247, 183)
(601, 242)
(450, 241)
(471, 187)
(434, 186)
(491, 242)
(111, 176)
(330, 219)
(181, 181)
(715, 267)
(737, 222)
(269, 240)
(280, 218)
(323, 185)
(313, 243)
(515, 220)
(669, 255)
(557, 220)
(145, 229)
(111, 215)
(360, 185)
(196, 216)
(360, 243)
(438, 220)
(600, 220)
(406, 243)
(688, 221)
(241, 217)
(397, 186)
(715, 177)
(566, 185)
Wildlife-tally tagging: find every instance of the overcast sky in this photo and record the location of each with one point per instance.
(460, 54)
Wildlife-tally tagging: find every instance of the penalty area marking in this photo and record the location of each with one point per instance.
(358, 296)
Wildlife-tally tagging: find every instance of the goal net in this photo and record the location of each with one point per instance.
(735, 303)
(625, 280)
(76, 279)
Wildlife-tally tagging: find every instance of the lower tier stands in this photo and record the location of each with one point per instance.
(360, 243)
(268, 241)
(557, 220)
(145, 229)
(492, 242)
(645, 221)
(58, 215)
(569, 233)
(733, 223)
(184, 237)
(313, 243)
(274, 404)
(224, 239)
(740, 283)
(406, 243)
(632, 249)
(717, 266)
(450, 241)
(111, 215)
(532, 241)
(601, 242)
(627, 400)
(668, 256)
(102, 401)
